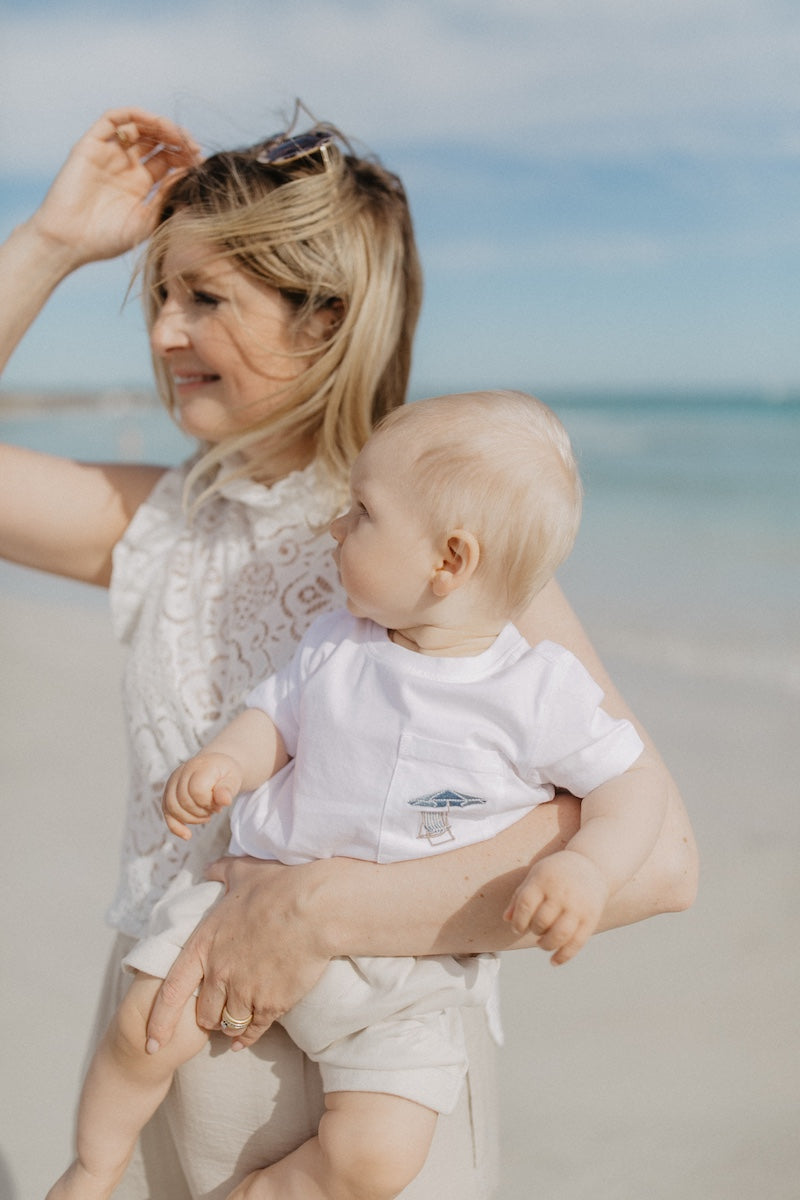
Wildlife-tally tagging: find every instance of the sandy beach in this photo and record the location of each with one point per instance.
(662, 1063)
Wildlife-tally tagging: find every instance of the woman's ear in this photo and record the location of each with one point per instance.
(459, 563)
(326, 318)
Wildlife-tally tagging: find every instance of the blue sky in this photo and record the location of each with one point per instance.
(606, 192)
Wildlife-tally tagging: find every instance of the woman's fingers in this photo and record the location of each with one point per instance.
(101, 202)
(174, 994)
(136, 128)
(237, 1009)
(251, 953)
(236, 990)
(250, 1035)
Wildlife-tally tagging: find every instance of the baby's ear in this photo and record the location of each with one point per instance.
(459, 563)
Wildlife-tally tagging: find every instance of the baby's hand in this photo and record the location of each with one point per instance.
(562, 900)
(199, 789)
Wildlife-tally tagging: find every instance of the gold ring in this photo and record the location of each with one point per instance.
(229, 1022)
(123, 138)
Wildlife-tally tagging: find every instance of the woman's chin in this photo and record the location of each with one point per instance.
(203, 426)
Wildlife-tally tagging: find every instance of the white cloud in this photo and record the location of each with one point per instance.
(557, 76)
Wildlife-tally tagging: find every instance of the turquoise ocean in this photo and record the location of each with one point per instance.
(688, 557)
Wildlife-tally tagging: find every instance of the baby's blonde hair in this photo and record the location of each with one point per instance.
(338, 236)
(500, 465)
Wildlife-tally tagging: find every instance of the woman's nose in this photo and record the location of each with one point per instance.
(168, 331)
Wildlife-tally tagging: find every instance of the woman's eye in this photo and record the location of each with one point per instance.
(205, 299)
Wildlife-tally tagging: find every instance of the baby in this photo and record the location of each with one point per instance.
(415, 721)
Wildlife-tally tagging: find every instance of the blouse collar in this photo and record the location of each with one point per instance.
(309, 493)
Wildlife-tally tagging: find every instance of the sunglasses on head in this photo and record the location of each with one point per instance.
(285, 149)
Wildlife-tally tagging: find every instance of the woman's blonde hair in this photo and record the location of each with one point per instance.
(500, 465)
(333, 234)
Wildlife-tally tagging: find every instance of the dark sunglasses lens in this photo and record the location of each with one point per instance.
(293, 147)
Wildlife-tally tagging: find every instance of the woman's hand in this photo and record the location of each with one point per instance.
(101, 202)
(259, 950)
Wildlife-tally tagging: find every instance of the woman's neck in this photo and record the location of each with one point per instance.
(270, 462)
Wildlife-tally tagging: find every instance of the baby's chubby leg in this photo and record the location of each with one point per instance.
(124, 1086)
(369, 1146)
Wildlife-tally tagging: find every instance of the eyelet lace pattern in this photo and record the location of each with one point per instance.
(208, 607)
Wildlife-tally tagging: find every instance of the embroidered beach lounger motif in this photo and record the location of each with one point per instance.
(434, 821)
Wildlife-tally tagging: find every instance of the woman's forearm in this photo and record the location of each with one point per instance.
(268, 939)
(454, 903)
(31, 267)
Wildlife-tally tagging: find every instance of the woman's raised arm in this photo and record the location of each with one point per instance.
(271, 935)
(57, 515)
(100, 204)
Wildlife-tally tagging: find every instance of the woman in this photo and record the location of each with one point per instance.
(282, 290)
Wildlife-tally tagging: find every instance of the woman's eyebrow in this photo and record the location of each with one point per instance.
(193, 276)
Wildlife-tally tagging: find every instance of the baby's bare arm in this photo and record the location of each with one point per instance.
(243, 755)
(565, 894)
(620, 823)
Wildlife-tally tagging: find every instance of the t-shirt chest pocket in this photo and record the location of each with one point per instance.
(437, 787)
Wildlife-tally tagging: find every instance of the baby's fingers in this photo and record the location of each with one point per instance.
(568, 942)
(527, 908)
(222, 796)
(196, 785)
(177, 827)
(195, 789)
(560, 935)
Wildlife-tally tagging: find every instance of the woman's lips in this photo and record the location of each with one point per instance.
(189, 379)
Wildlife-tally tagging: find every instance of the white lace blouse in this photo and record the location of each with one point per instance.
(208, 607)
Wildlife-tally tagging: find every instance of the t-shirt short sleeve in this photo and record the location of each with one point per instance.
(581, 746)
(279, 695)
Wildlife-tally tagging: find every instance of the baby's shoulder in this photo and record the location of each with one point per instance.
(331, 627)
